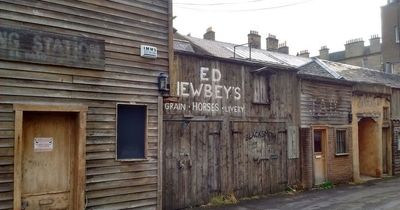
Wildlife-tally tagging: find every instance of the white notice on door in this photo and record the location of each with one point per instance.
(43, 144)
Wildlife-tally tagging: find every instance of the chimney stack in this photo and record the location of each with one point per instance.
(354, 48)
(375, 44)
(283, 48)
(210, 34)
(324, 53)
(304, 53)
(272, 43)
(254, 40)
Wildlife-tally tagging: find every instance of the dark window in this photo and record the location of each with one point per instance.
(341, 142)
(131, 131)
(318, 141)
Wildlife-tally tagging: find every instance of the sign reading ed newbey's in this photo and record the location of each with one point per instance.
(50, 48)
(208, 95)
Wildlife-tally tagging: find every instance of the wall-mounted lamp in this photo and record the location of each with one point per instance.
(163, 82)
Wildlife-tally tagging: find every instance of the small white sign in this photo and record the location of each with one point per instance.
(148, 51)
(43, 144)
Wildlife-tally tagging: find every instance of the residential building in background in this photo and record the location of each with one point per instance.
(390, 36)
(356, 53)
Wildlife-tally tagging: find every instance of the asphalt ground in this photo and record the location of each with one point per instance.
(373, 195)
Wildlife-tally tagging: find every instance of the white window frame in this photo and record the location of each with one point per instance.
(345, 142)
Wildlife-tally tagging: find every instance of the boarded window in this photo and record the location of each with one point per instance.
(260, 94)
(131, 131)
(293, 142)
(341, 142)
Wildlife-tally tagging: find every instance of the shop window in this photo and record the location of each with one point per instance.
(341, 146)
(131, 132)
(260, 94)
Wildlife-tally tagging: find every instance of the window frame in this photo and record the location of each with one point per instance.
(396, 34)
(146, 122)
(345, 143)
(266, 78)
(388, 68)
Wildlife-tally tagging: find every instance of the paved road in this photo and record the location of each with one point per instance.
(376, 195)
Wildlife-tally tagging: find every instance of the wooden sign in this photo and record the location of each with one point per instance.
(50, 48)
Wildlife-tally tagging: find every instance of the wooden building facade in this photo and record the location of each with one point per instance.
(70, 73)
(230, 127)
(325, 136)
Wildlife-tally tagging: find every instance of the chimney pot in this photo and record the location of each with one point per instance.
(324, 53)
(283, 48)
(304, 53)
(272, 43)
(254, 39)
(354, 48)
(375, 44)
(210, 34)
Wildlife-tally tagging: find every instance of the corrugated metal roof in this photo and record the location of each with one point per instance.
(226, 50)
(306, 66)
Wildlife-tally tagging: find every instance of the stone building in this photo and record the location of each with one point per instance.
(356, 53)
(390, 36)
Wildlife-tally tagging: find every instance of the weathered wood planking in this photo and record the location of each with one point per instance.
(324, 103)
(123, 26)
(207, 153)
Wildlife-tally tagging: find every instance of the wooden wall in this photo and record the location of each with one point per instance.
(323, 103)
(127, 78)
(208, 153)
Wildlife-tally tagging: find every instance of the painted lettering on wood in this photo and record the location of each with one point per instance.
(50, 48)
(207, 96)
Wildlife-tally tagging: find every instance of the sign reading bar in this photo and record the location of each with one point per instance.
(43, 144)
(50, 48)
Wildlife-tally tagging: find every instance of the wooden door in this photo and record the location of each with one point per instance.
(191, 163)
(47, 145)
(319, 156)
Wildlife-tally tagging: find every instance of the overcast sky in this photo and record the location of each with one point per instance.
(303, 24)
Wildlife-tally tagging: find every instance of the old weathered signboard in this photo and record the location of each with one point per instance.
(50, 48)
